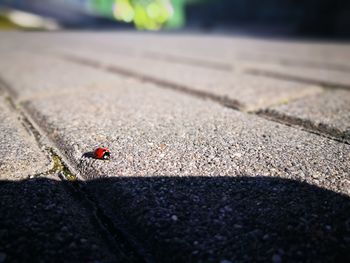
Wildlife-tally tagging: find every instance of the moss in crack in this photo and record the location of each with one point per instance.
(11, 103)
(59, 167)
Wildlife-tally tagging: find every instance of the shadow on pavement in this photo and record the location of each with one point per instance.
(176, 219)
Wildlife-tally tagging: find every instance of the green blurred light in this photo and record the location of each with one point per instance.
(153, 10)
(123, 11)
(145, 14)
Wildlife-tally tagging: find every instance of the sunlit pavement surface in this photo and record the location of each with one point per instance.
(223, 149)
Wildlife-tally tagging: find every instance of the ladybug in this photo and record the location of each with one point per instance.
(102, 153)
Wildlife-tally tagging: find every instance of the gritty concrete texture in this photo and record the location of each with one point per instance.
(20, 154)
(328, 113)
(44, 76)
(237, 90)
(161, 132)
(42, 222)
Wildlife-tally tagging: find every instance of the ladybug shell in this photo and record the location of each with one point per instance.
(102, 153)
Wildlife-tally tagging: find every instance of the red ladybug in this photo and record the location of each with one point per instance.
(102, 153)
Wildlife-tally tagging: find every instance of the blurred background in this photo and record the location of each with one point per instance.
(305, 18)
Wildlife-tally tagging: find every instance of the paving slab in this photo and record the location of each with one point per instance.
(192, 179)
(328, 113)
(20, 154)
(41, 221)
(238, 90)
(38, 75)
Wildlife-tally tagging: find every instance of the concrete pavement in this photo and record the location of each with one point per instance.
(210, 163)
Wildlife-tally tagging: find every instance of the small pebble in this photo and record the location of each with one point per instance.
(174, 218)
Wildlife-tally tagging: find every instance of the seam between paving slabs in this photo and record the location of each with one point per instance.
(305, 125)
(42, 142)
(32, 132)
(225, 66)
(176, 58)
(188, 61)
(224, 101)
(303, 80)
(7, 90)
(315, 65)
(117, 237)
(115, 234)
(299, 63)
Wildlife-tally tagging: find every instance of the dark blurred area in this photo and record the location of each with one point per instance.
(288, 18)
(315, 18)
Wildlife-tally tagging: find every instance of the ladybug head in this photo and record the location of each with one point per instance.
(106, 154)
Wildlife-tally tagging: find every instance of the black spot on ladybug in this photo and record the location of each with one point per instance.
(106, 155)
